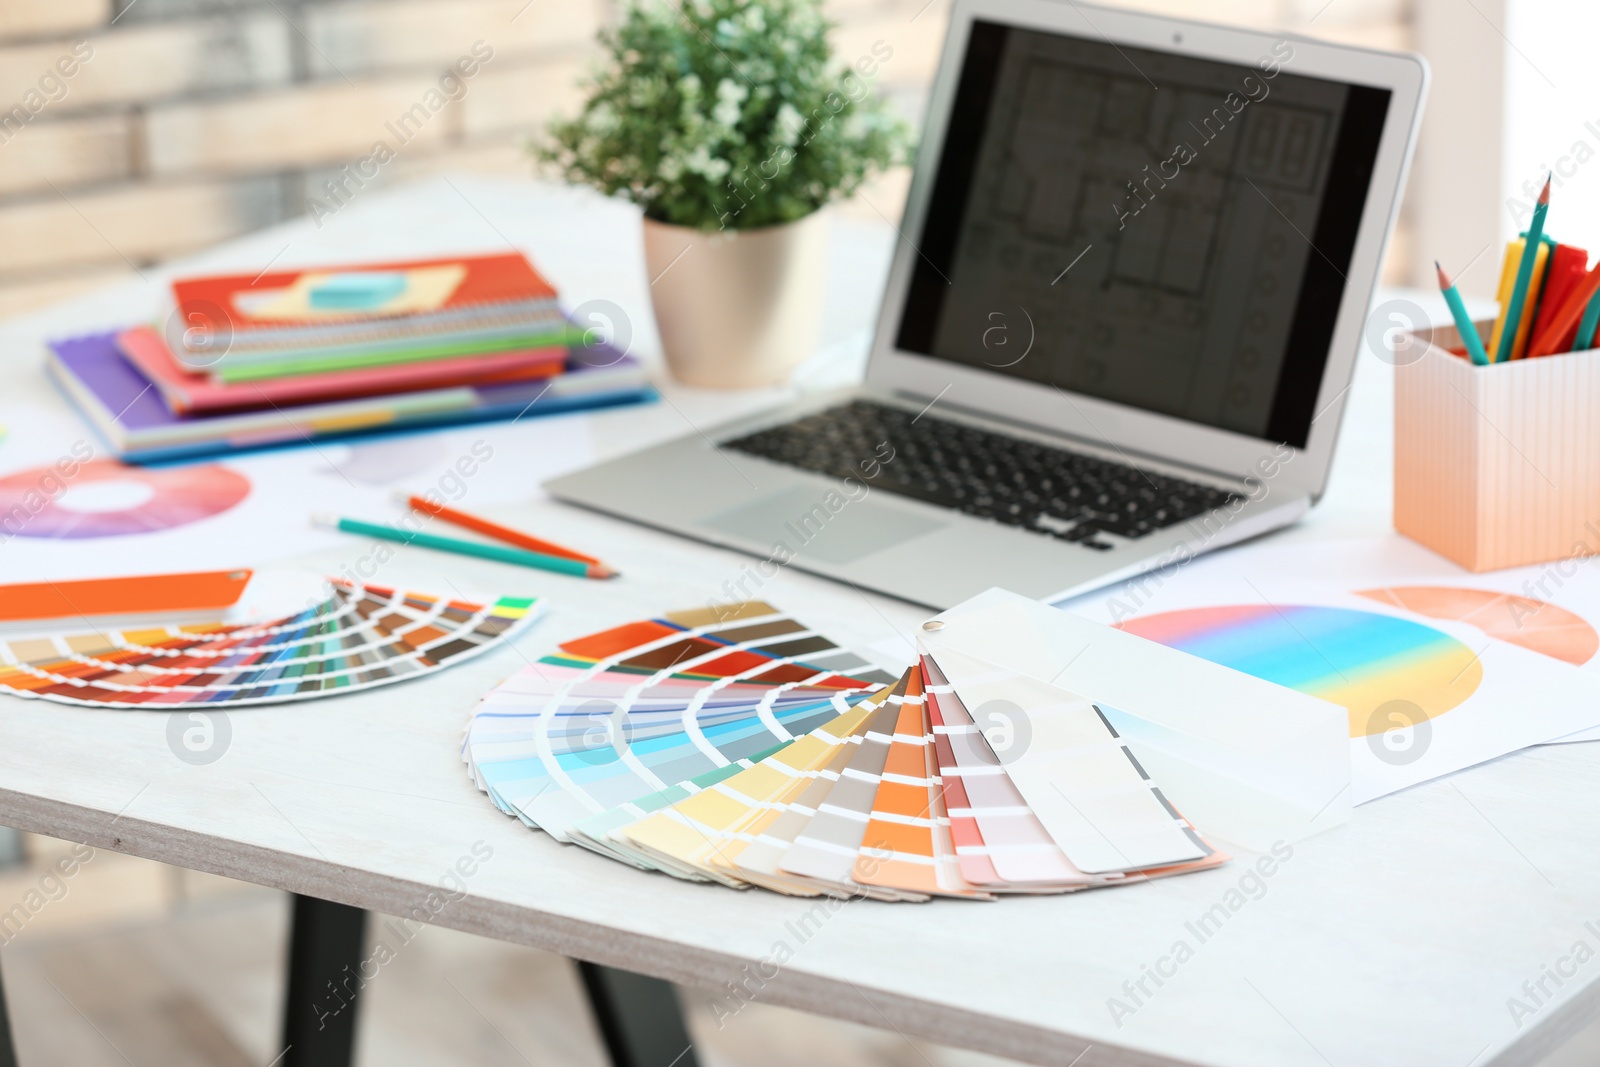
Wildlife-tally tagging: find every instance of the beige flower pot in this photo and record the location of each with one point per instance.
(737, 309)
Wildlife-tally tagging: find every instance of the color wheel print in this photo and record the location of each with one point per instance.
(1363, 661)
(108, 499)
(1535, 625)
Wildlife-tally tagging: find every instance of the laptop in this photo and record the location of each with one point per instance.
(1117, 332)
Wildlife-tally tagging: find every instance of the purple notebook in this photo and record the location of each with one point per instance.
(134, 420)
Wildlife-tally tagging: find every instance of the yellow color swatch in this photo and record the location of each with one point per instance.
(707, 830)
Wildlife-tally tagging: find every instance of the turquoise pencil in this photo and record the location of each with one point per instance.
(1586, 326)
(1519, 291)
(499, 553)
(1464, 324)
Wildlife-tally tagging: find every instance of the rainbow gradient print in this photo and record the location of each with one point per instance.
(1357, 659)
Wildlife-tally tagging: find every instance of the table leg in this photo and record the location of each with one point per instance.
(8, 1051)
(319, 1012)
(640, 1018)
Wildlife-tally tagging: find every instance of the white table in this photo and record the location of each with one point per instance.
(1393, 941)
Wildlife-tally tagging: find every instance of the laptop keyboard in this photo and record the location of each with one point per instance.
(1064, 494)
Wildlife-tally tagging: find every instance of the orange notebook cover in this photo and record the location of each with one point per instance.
(142, 595)
(185, 391)
(496, 279)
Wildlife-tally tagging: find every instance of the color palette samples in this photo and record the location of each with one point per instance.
(1356, 659)
(647, 705)
(359, 637)
(698, 745)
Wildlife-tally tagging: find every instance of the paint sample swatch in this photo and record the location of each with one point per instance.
(647, 705)
(701, 745)
(360, 636)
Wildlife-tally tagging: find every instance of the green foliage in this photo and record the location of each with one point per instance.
(727, 114)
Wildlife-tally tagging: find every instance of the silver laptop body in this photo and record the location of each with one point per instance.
(1180, 282)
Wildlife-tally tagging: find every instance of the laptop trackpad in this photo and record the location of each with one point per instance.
(823, 524)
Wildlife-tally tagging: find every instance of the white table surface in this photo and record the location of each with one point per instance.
(1393, 941)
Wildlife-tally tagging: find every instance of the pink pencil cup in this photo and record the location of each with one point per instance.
(1497, 466)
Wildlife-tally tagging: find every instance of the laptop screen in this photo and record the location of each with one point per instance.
(1157, 230)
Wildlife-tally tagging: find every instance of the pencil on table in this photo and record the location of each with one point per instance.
(500, 533)
(498, 553)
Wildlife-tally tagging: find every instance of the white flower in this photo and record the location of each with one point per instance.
(730, 95)
(700, 162)
(789, 124)
(602, 119)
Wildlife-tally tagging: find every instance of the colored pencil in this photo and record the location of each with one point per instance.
(1548, 343)
(1519, 292)
(1464, 323)
(498, 553)
(1568, 264)
(498, 532)
(1584, 340)
(1502, 291)
(1530, 304)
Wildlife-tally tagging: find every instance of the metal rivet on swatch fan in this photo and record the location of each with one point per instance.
(933, 624)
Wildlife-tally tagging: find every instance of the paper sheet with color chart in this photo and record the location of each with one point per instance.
(1437, 669)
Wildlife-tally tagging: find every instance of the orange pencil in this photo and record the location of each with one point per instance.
(1565, 322)
(504, 533)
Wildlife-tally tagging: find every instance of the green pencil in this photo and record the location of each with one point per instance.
(1519, 291)
(1586, 326)
(1464, 324)
(499, 553)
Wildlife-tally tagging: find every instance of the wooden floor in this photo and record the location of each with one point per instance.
(140, 965)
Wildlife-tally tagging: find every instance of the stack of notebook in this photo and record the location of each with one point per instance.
(253, 360)
(740, 747)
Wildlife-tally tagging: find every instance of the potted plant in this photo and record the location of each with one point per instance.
(730, 124)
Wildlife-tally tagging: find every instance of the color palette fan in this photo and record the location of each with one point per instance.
(701, 745)
(360, 636)
(641, 707)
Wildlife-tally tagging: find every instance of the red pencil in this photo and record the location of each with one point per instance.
(1565, 322)
(506, 534)
(1566, 270)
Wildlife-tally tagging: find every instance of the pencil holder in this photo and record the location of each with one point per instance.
(1497, 466)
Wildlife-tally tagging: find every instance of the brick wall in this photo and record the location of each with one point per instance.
(134, 132)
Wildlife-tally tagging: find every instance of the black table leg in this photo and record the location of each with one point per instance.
(8, 1051)
(325, 956)
(640, 1018)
